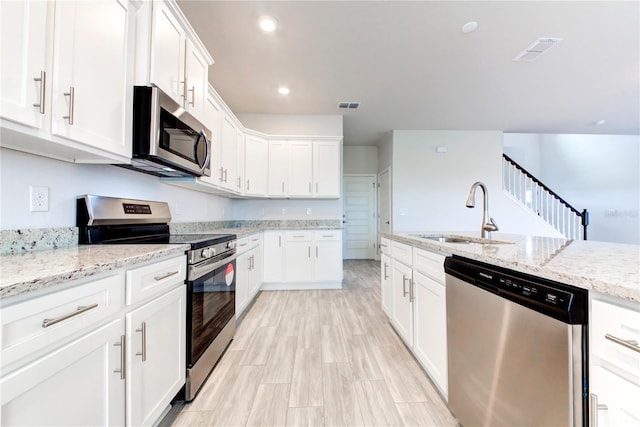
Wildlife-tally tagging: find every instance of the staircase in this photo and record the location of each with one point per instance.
(542, 201)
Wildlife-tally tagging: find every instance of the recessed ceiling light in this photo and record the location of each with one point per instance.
(268, 24)
(283, 90)
(469, 27)
(600, 122)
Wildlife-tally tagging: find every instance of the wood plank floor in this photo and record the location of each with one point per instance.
(318, 358)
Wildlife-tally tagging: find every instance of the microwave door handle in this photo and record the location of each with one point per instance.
(202, 137)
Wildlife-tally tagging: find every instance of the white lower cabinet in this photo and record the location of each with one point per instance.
(78, 384)
(414, 297)
(302, 259)
(155, 356)
(402, 317)
(88, 355)
(249, 271)
(614, 375)
(430, 328)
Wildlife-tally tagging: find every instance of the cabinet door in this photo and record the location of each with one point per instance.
(92, 74)
(156, 349)
(240, 177)
(430, 326)
(213, 115)
(256, 153)
(168, 43)
(278, 168)
(228, 150)
(243, 267)
(298, 259)
(74, 385)
(256, 266)
(385, 281)
(328, 257)
(196, 74)
(23, 37)
(326, 168)
(615, 398)
(402, 317)
(300, 168)
(273, 256)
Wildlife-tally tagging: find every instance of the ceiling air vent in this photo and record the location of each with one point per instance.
(348, 105)
(536, 49)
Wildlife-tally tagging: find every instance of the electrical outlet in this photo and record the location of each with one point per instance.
(262, 211)
(284, 211)
(308, 211)
(39, 197)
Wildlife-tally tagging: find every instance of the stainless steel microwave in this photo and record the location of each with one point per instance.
(167, 140)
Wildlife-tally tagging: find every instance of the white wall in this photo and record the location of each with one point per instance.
(66, 181)
(600, 173)
(524, 149)
(360, 160)
(385, 151)
(291, 124)
(430, 189)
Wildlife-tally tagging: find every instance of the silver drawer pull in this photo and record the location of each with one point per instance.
(42, 79)
(72, 99)
(169, 274)
(243, 244)
(81, 309)
(123, 359)
(143, 353)
(327, 235)
(630, 344)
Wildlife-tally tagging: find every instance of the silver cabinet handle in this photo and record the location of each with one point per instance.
(221, 174)
(412, 295)
(184, 88)
(169, 274)
(404, 288)
(327, 235)
(43, 81)
(386, 276)
(309, 187)
(248, 186)
(193, 96)
(279, 241)
(72, 98)
(309, 248)
(123, 359)
(81, 309)
(316, 252)
(243, 244)
(283, 187)
(317, 187)
(143, 353)
(225, 175)
(594, 407)
(297, 236)
(630, 344)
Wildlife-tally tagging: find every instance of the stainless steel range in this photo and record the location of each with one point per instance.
(211, 263)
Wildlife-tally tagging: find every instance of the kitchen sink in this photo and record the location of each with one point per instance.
(447, 238)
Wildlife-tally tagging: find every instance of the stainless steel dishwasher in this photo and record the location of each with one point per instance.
(517, 347)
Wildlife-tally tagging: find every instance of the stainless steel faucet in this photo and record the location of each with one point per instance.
(471, 203)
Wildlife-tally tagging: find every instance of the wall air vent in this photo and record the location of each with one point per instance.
(536, 49)
(348, 105)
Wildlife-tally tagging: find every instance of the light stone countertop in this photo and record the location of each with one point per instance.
(609, 268)
(32, 271)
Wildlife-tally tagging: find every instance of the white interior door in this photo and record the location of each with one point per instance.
(359, 214)
(384, 201)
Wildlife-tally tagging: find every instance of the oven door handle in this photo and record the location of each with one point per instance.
(198, 270)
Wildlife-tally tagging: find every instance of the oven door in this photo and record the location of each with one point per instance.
(211, 304)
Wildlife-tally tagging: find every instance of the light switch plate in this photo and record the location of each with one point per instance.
(39, 198)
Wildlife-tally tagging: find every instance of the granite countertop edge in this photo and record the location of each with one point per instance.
(552, 266)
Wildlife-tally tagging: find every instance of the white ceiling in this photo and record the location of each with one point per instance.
(411, 67)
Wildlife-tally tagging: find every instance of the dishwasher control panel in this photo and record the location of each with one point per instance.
(561, 301)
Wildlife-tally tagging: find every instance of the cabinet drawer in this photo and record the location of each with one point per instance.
(35, 324)
(298, 236)
(401, 252)
(246, 243)
(615, 322)
(385, 246)
(154, 279)
(329, 235)
(429, 263)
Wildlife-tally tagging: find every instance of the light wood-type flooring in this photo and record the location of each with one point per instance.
(318, 358)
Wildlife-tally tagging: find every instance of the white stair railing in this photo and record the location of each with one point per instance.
(542, 201)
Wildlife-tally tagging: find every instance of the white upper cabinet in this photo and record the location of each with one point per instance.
(278, 168)
(256, 158)
(213, 116)
(240, 176)
(91, 74)
(168, 44)
(326, 168)
(23, 31)
(228, 153)
(67, 78)
(300, 172)
(179, 64)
